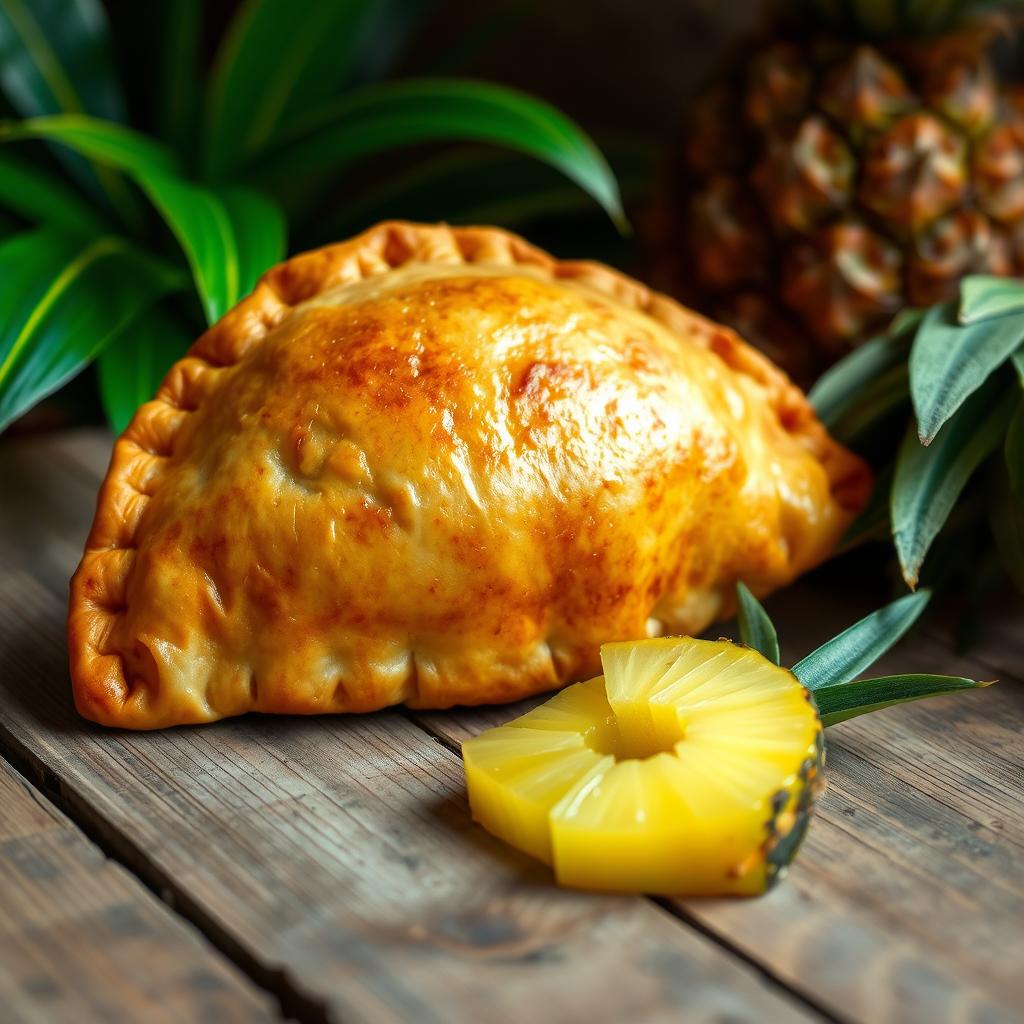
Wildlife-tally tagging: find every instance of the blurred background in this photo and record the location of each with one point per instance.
(841, 181)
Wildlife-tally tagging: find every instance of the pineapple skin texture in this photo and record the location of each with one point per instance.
(701, 785)
(824, 185)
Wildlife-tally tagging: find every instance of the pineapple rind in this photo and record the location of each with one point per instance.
(695, 769)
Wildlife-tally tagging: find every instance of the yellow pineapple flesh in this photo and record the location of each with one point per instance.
(688, 768)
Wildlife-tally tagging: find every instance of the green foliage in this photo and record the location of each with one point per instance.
(964, 372)
(436, 110)
(63, 300)
(840, 388)
(950, 360)
(982, 297)
(830, 672)
(843, 701)
(229, 235)
(132, 366)
(929, 480)
(201, 192)
(845, 656)
(756, 629)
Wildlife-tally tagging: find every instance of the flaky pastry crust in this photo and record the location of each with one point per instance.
(437, 466)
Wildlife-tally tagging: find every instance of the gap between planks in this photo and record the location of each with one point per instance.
(83, 940)
(89, 453)
(119, 849)
(677, 910)
(714, 984)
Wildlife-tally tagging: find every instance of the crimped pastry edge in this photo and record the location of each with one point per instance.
(141, 454)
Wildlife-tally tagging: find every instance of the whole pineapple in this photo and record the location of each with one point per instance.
(863, 159)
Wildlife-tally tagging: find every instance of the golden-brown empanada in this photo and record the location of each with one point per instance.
(437, 466)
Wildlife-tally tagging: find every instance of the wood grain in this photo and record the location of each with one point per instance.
(905, 904)
(907, 901)
(334, 858)
(82, 940)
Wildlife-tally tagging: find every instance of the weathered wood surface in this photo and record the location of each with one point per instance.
(82, 940)
(334, 858)
(335, 862)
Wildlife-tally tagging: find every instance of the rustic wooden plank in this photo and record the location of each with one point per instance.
(919, 831)
(336, 860)
(82, 940)
(907, 900)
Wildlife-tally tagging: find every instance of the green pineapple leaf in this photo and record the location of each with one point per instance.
(842, 387)
(756, 629)
(831, 671)
(839, 702)
(845, 656)
(983, 297)
(949, 362)
(229, 236)
(132, 366)
(63, 300)
(378, 118)
(878, 400)
(929, 480)
(905, 322)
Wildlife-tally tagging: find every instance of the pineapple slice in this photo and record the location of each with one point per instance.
(688, 768)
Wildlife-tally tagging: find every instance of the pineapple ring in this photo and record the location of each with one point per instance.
(688, 768)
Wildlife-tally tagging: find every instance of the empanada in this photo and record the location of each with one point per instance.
(436, 466)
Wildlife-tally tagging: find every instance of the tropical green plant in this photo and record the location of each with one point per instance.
(120, 244)
(947, 384)
(831, 671)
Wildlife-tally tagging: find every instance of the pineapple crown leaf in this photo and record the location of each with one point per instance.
(756, 629)
(843, 701)
(846, 655)
(959, 369)
(830, 672)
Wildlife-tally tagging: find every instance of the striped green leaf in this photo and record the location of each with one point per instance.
(374, 119)
(842, 387)
(63, 300)
(840, 702)
(229, 236)
(950, 361)
(273, 67)
(845, 656)
(132, 366)
(929, 480)
(55, 57)
(41, 197)
(878, 400)
(108, 144)
(983, 297)
(178, 95)
(756, 629)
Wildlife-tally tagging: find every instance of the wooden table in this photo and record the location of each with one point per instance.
(327, 868)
